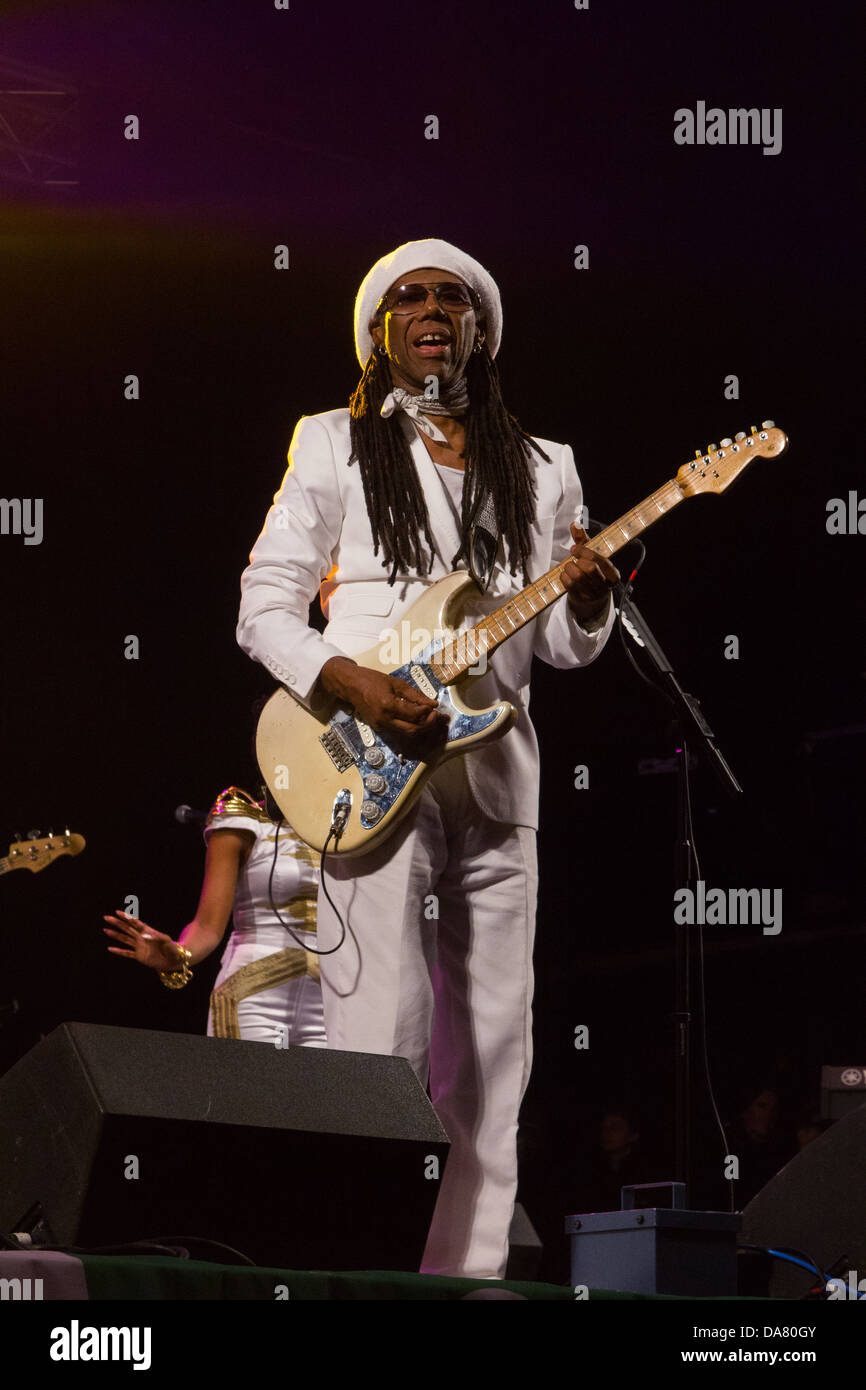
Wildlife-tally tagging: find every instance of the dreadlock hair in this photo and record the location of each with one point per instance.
(497, 461)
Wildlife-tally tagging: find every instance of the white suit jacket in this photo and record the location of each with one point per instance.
(317, 537)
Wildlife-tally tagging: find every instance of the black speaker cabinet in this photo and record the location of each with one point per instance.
(816, 1204)
(842, 1089)
(524, 1247)
(301, 1157)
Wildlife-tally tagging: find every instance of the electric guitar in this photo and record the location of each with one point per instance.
(336, 779)
(38, 854)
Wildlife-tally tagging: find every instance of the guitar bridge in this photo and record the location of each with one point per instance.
(336, 748)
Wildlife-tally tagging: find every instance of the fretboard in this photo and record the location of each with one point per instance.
(466, 651)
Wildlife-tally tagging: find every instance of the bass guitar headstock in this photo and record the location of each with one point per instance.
(38, 853)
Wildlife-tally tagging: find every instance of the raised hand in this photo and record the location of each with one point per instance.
(142, 943)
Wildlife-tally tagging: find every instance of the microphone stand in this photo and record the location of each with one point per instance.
(689, 723)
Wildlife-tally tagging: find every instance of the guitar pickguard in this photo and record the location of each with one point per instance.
(384, 772)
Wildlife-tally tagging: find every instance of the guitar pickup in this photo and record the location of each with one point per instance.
(367, 736)
(337, 748)
(423, 682)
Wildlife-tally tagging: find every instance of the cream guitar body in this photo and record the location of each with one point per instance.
(311, 760)
(340, 782)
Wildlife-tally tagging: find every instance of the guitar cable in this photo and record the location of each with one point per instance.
(625, 588)
(702, 993)
(312, 950)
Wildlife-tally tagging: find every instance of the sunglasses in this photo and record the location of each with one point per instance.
(450, 297)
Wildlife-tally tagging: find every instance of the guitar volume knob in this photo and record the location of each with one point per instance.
(371, 812)
(375, 757)
(375, 782)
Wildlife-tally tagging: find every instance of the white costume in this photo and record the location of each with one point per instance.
(317, 539)
(268, 986)
(468, 841)
(437, 963)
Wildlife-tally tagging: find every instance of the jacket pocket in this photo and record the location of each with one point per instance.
(355, 602)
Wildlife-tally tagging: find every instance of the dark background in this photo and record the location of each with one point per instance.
(306, 127)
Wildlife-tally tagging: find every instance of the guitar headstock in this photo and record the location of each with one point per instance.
(717, 467)
(37, 854)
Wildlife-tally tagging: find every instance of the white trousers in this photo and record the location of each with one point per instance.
(437, 967)
(294, 1005)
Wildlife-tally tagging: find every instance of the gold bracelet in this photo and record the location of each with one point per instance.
(176, 979)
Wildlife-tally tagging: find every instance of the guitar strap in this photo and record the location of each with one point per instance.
(483, 543)
(484, 531)
(483, 536)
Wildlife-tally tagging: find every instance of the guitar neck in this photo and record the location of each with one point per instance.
(465, 651)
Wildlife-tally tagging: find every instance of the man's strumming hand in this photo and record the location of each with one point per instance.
(382, 701)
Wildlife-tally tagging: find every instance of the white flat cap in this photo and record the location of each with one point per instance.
(414, 255)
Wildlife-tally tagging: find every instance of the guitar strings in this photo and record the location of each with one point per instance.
(504, 617)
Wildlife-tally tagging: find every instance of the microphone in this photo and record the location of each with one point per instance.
(187, 815)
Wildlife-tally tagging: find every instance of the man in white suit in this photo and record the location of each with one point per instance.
(426, 472)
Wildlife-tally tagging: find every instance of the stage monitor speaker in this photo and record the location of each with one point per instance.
(524, 1247)
(817, 1205)
(300, 1157)
(842, 1089)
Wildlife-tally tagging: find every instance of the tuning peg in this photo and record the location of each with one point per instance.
(767, 424)
(726, 443)
(740, 437)
(698, 454)
(711, 448)
(33, 834)
(754, 429)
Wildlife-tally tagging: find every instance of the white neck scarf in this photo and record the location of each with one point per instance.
(453, 401)
(484, 533)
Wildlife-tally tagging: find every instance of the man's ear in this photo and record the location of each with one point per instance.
(376, 329)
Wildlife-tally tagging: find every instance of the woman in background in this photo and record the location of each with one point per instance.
(268, 986)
